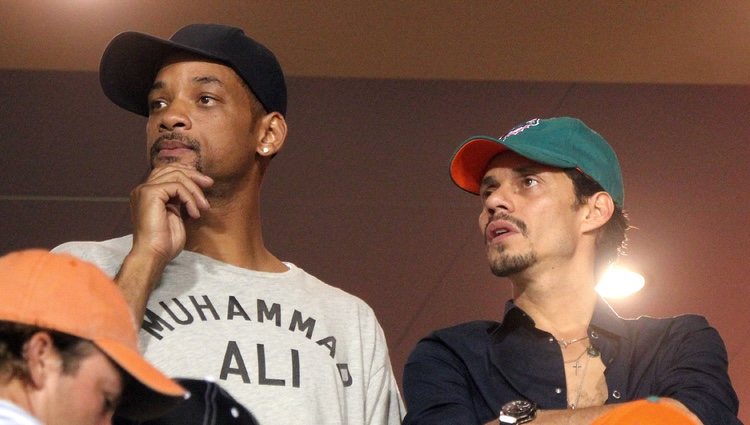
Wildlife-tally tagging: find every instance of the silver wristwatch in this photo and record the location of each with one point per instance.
(517, 412)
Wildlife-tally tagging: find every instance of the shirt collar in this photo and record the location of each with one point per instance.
(604, 318)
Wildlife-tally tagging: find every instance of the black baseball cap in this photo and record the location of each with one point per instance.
(132, 59)
(207, 403)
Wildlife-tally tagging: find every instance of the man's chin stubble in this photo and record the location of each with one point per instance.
(172, 159)
(510, 265)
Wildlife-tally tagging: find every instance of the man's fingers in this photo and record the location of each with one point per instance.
(177, 194)
(174, 208)
(152, 198)
(190, 179)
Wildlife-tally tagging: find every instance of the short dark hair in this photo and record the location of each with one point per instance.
(13, 338)
(611, 240)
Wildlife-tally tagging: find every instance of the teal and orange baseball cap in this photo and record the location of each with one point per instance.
(562, 142)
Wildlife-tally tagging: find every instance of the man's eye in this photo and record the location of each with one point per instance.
(485, 193)
(529, 182)
(155, 105)
(206, 100)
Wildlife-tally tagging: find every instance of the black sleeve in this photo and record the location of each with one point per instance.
(696, 372)
(437, 387)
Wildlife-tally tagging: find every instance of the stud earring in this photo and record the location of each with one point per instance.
(265, 150)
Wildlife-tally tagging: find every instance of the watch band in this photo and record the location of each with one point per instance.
(505, 419)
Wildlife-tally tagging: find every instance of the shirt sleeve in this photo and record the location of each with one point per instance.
(697, 372)
(107, 260)
(437, 386)
(383, 399)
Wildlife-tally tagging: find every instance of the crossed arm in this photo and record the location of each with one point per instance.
(439, 386)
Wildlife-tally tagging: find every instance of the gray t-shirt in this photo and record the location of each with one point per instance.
(289, 347)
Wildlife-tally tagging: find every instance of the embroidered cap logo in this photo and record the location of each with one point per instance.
(519, 129)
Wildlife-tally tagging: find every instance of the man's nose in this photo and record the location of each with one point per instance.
(499, 200)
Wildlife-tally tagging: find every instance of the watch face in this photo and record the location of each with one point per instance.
(518, 407)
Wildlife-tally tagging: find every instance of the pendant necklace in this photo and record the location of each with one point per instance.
(576, 362)
(592, 352)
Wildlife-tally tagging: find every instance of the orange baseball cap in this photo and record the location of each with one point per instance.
(63, 293)
(650, 411)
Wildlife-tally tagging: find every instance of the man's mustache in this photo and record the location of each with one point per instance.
(510, 219)
(170, 138)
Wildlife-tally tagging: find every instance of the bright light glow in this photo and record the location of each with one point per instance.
(619, 282)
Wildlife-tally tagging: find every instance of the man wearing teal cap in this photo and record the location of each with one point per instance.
(552, 218)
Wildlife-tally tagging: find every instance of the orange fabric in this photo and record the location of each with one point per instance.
(651, 411)
(63, 293)
(470, 161)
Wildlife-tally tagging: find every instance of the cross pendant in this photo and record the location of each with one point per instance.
(576, 366)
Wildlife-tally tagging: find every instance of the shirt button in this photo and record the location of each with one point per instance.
(594, 335)
(616, 395)
(558, 390)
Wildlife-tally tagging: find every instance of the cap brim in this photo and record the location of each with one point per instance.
(208, 403)
(150, 393)
(471, 159)
(129, 65)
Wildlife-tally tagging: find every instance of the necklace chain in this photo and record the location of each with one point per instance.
(564, 343)
(580, 384)
(577, 361)
(592, 352)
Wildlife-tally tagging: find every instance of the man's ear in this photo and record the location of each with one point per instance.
(273, 133)
(42, 358)
(599, 209)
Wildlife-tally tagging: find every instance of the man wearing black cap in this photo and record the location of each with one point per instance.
(552, 220)
(214, 301)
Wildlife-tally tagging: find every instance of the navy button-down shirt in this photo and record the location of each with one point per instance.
(464, 374)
